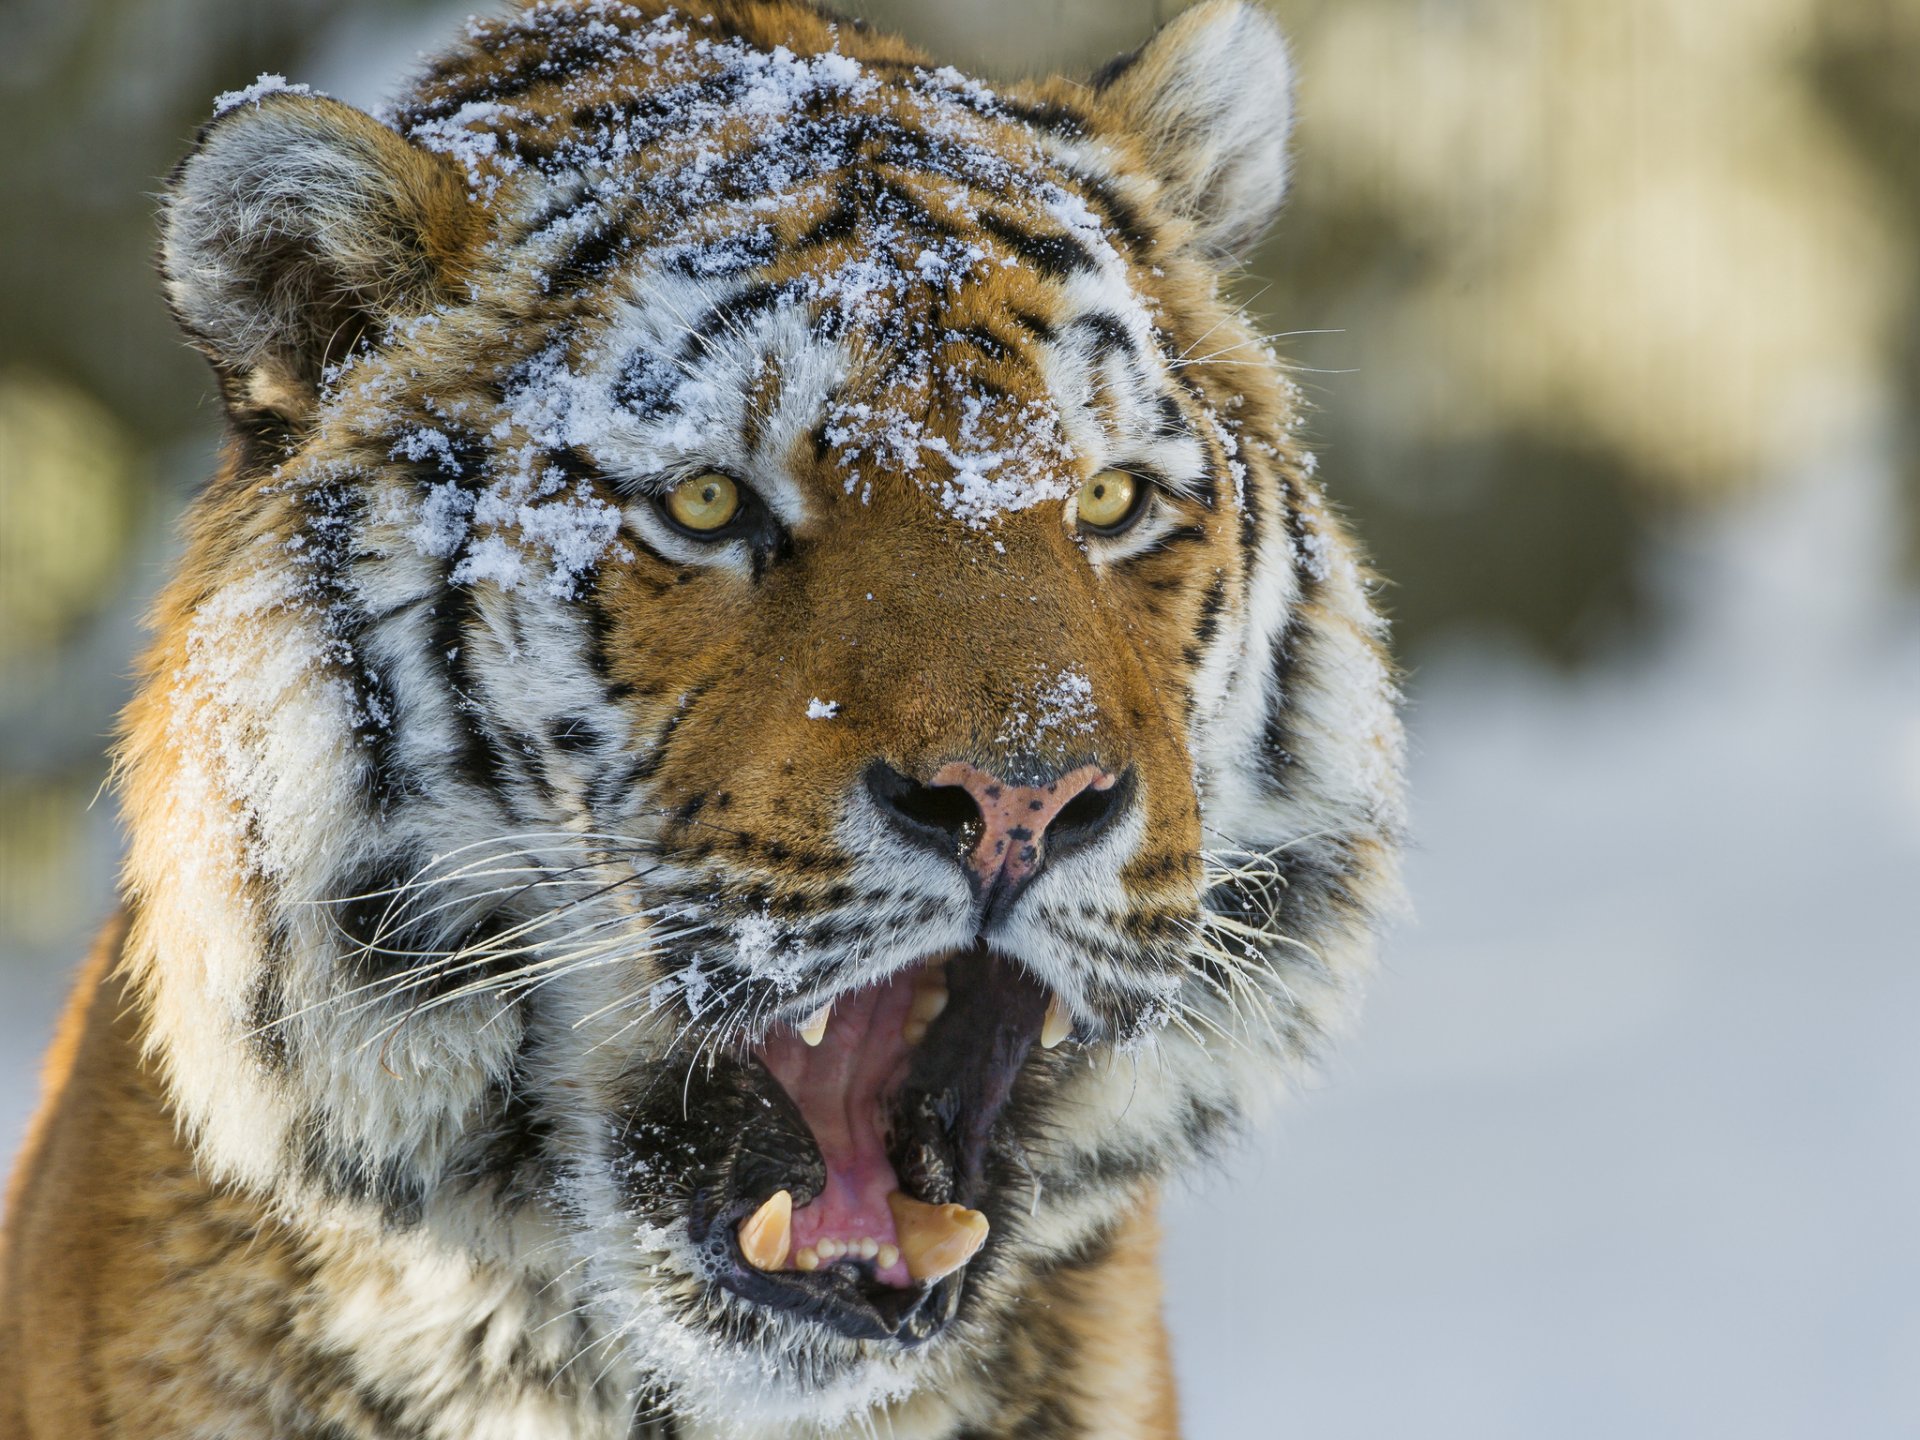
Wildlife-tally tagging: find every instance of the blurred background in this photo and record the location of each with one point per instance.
(1611, 313)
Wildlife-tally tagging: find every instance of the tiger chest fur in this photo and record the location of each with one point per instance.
(763, 732)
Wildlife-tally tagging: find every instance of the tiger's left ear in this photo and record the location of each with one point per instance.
(1210, 99)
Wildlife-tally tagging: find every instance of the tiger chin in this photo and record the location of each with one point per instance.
(762, 732)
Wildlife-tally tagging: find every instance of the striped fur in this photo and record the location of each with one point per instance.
(478, 818)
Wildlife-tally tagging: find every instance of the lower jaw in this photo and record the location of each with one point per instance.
(942, 1105)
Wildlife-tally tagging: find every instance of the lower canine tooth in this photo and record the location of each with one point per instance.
(1058, 1024)
(814, 1029)
(767, 1234)
(936, 1240)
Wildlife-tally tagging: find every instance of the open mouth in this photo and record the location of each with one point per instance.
(860, 1202)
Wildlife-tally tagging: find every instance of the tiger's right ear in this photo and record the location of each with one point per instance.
(295, 226)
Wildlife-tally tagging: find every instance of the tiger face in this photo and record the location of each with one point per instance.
(766, 726)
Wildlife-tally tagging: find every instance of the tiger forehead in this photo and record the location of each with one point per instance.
(772, 230)
(674, 112)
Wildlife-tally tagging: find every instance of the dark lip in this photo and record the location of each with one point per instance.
(944, 1118)
(842, 1298)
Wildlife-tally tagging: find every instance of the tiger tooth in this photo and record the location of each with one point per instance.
(913, 1031)
(814, 1029)
(935, 1240)
(767, 1234)
(1058, 1024)
(928, 1002)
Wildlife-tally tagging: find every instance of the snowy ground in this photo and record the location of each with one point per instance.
(1625, 1143)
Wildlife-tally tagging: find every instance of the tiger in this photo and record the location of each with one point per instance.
(763, 731)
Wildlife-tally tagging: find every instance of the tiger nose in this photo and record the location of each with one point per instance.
(1000, 831)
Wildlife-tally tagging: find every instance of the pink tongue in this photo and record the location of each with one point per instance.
(839, 1086)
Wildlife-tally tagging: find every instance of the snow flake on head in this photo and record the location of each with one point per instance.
(465, 137)
(1007, 454)
(524, 522)
(253, 94)
(1059, 708)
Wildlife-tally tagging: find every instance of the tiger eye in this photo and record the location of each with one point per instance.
(1108, 500)
(703, 503)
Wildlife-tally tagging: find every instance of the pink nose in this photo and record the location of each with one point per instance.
(1014, 818)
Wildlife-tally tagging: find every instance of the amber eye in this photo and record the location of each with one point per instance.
(702, 504)
(1108, 501)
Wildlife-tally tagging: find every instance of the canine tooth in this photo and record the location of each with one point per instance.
(936, 1240)
(807, 1259)
(767, 1234)
(814, 1029)
(928, 1002)
(914, 1031)
(888, 1256)
(1058, 1024)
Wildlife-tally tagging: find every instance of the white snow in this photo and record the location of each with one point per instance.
(1049, 713)
(462, 136)
(818, 709)
(253, 94)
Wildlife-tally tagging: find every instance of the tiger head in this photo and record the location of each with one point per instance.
(765, 724)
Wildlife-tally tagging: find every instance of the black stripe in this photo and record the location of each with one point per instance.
(591, 255)
(648, 765)
(727, 316)
(982, 339)
(1056, 256)
(1278, 747)
(1120, 216)
(1037, 326)
(574, 735)
(454, 616)
(599, 630)
(1211, 606)
(1110, 334)
(1115, 68)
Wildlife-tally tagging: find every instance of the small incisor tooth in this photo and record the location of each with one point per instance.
(814, 1029)
(935, 1240)
(1058, 1024)
(767, 1234)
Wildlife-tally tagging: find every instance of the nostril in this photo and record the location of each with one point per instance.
(1087, 814)
(946, 813)
(943, 807)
